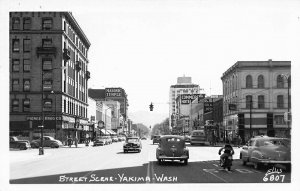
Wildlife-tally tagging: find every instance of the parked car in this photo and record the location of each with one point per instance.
(264, 150)
(114, 138)
(47, 142)
(120, 138)
(132, 144)
(100, 141)
(172, 147)
(143, 138)
(156, 139)
(108, 139)
(15, 143)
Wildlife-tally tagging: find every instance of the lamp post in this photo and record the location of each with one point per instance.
(55, 129)
(288, 98)
(41, 149)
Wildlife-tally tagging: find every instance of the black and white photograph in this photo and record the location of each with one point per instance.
(149, 95)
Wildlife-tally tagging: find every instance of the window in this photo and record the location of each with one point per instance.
(27, 23)
(15, 105)
(26, 105)
(26, 65)
(279, 120)
(16, 45)
(47, 105)
(47, 42)
(16, 65)
(261, 102)
(16, 23)
(26, 45)
(47, 64)
(47, 85)
(249, 101)
(249, 81)
(26, 85)
(280, 82)
(15, 83)
(289, 81)
(280, 101)
(47, 24)
(260, 81)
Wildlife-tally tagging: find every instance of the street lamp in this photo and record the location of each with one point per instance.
(288, 91)
(55, 129)
(41, 149)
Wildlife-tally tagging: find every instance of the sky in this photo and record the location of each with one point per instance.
(144, 45)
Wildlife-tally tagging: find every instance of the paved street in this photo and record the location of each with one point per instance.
(108, 164)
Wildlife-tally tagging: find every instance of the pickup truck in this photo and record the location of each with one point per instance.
(15, 143)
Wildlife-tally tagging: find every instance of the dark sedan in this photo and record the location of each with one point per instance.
(132, 144)
(15, 143)
(47, 142)
(172, 147)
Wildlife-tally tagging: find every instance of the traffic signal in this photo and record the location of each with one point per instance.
(151, 107)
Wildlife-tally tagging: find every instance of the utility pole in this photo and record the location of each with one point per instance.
(251, 117)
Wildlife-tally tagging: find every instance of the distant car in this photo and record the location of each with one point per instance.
(187, 138)
(172, 147)
(100, 141)
(47, 142)
(264, 150)
(114, 139)
(156, 139)
(199, 137)
(15, 143)
(132, 144)
(108, 139)
(143, 138)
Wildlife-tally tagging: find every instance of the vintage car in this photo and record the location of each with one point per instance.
(143, 138)
(47, 142)
(15, 143)
(108, 140)
(114, 138)
(264, 150)
(100, 141)
(132, 144)
(156, 139)
(172, 147)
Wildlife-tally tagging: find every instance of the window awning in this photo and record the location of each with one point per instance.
(111, 132)
(104, 132)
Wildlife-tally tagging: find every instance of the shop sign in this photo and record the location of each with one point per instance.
(46, 118)
(113, 92)
(187, 98)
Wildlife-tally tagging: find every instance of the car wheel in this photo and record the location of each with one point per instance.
(159, 161)
(185, 161)
(192, 143)
(34, 146)
(23, 147)
(52, 145)
(256, 165)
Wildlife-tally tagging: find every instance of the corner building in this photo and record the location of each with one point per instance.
(48, 75)
(256, 97)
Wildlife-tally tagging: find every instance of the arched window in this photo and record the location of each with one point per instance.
(280, 82)
(249, 81)
(280, 101)
(249, 101)
(261, 102)
(260, 81)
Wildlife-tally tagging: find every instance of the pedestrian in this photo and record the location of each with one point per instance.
(69, 140)
(239, 141)
(76, 141)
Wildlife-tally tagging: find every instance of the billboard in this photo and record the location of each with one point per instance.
(187, 98)
(114, 92)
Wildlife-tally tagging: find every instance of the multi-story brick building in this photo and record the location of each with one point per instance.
(48, 74)
(256, 97)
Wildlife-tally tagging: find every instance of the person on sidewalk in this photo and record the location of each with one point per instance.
(76, 141)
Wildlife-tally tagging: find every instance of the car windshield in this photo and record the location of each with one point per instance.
(132, 140)
(278, 142)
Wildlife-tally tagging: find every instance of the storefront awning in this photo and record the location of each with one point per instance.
(111, 132)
